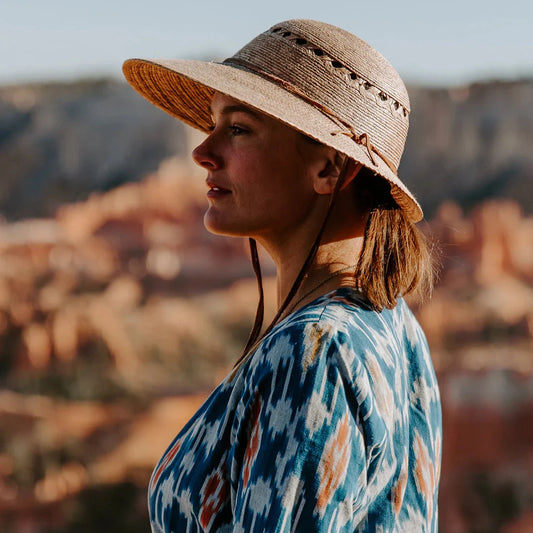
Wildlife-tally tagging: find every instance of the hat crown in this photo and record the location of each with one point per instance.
(312, 76)
(338, 71)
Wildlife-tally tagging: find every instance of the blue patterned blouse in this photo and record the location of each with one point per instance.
(332, 424)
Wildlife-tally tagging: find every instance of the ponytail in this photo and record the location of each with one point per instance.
(396, 257)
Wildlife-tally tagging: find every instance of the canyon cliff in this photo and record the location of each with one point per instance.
(59, 142)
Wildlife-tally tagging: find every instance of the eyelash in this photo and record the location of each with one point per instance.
(234, 130)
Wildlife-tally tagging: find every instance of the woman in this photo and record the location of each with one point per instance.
(330, 420)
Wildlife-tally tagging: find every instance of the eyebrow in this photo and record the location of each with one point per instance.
(238, 108)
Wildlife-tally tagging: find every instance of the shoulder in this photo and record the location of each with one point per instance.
(325, 330)
(338, 331)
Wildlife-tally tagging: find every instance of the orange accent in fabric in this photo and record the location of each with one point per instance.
(253, 443)
(423, 469)
(215, 494)
(399, 489)
(315, 336)
(165, 461)
(426, 474)
(335, 460)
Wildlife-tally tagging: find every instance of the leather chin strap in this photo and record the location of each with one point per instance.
(255, 335)
(260, 312)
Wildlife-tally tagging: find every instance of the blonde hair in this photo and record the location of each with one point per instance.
(396, 258)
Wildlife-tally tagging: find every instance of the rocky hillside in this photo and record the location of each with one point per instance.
(59, 142)
(471, 144)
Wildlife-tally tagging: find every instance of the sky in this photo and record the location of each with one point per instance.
(438, 43)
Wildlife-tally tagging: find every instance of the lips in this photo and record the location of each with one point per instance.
(216, 190)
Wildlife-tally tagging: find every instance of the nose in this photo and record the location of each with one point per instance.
(206, 156)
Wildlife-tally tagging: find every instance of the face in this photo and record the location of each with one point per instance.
(259, 173)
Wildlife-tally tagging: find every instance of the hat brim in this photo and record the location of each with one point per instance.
(184, 89)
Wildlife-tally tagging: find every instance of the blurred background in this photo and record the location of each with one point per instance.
(119, 312)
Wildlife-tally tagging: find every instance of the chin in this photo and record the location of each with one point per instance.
(215, 225)
(228, 228)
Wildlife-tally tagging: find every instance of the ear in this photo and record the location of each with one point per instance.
(326, 180)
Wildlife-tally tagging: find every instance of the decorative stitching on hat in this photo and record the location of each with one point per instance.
(364, 87)
(361, 139)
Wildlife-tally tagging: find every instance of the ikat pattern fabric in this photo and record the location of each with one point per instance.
(333, 424)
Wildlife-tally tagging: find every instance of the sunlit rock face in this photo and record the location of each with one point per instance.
(59, 142)
(471, 143)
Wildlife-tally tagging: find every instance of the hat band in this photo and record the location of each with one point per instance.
(362, 139)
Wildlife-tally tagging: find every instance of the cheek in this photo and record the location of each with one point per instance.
(276, 177)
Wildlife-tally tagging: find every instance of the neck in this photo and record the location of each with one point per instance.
(332, 258)
(341, 246)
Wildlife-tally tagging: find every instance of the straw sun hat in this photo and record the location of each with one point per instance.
(317, 78)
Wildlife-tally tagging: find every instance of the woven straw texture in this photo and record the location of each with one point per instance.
(317, 78)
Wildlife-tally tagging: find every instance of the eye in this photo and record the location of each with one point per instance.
(237, 130)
